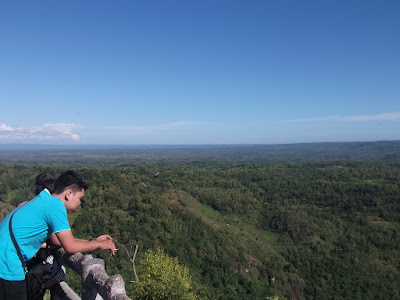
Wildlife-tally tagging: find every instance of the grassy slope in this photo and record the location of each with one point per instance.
(235, 226)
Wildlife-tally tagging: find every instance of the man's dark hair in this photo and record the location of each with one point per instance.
(71, 180)
(43, 182)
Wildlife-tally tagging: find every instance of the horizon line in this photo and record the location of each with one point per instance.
(177, 144)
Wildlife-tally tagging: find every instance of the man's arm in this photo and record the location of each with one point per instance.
(52, 242)
(73, 245)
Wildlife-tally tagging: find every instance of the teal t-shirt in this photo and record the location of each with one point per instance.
(32, 224)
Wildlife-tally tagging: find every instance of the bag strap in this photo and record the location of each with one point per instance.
(23, 262)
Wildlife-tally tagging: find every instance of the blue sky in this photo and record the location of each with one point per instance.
(199, 72)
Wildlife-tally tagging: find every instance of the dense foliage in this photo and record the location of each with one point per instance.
(322, 230)
(162, 278)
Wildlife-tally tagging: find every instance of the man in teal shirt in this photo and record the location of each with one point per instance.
(41, 219)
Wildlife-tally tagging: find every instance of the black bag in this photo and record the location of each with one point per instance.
(42, 271)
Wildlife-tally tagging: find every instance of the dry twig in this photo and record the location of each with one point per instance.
(133, 262)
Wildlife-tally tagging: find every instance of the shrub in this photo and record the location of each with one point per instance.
(162, 278)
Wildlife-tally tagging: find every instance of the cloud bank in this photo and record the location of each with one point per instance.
(393, 116)
(59, 132)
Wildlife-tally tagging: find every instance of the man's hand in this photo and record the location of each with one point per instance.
(103, 238)
(107, 244)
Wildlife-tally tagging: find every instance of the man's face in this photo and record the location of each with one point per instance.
(74, 200)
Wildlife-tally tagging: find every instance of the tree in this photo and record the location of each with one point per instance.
(162, 277)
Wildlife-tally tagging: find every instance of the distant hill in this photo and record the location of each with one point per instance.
(100, 155)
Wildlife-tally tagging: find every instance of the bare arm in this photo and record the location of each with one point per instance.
(52, 242)
(73, 245)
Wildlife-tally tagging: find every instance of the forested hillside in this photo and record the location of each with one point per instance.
(304, 230)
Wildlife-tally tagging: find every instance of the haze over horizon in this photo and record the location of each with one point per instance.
(189, 73)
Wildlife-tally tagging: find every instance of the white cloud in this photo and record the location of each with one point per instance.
(60, 132)
(379, 117)
(4, 127)
(393, 116)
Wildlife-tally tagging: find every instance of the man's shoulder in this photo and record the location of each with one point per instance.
(45, 196)
(44, 203)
